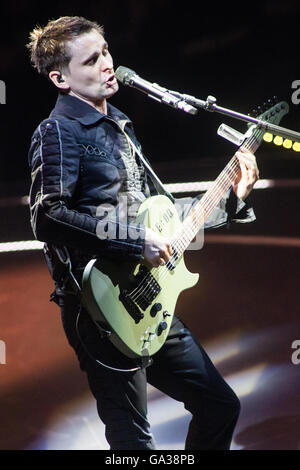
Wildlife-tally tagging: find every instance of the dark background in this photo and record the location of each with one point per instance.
(242, 53)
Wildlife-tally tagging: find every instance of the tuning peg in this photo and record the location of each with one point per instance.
(268, 104)
(259, 110)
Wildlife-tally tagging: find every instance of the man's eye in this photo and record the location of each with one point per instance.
(92, 61)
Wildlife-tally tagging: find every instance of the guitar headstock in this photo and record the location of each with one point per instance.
(271, 111)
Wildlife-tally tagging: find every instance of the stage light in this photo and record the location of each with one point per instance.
(25, 245)
(278, 140)
(296, 146)
(268, 137)
(287, 143)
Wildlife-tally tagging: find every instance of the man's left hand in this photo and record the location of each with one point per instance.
(248, 176)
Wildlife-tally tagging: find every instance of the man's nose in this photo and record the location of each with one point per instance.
(107, 63)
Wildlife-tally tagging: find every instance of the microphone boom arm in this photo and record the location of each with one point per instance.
(210, 105)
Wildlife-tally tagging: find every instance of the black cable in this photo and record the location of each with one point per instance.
(97, 360)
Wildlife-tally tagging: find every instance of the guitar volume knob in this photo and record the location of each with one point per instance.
(155, 309)
(161, 327)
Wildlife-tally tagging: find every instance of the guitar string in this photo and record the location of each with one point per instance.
(178, 245)
(149, 280)
(151, 277)
(178, 248)
(228, 172)
(162, 271)
(179, 236)
(228, 176)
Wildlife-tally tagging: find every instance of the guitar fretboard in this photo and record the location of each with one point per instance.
(204, 208)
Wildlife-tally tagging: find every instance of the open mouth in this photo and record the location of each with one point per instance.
(111, 80)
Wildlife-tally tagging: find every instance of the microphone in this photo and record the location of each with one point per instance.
(129, 78)
(195, 101)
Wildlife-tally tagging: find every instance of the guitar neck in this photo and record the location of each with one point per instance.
(203, 209)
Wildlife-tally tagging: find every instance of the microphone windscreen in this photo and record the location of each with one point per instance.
(124, 74)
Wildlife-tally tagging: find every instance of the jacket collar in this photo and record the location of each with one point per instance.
(75, 108)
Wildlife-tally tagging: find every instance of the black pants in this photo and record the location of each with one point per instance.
(181, 369)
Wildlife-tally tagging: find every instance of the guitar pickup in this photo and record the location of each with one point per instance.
(130, 306)
(147, 286)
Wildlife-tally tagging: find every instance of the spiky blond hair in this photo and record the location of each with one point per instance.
(48, 44)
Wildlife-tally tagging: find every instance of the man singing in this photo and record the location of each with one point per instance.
(85, 155)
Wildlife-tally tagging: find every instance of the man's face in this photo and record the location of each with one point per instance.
(90, 75)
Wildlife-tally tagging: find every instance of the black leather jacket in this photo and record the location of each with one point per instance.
(76, 159)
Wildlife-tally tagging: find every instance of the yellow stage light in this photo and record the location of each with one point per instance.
(268, 137)
(278, 140)
(287, 143)
(296, 146)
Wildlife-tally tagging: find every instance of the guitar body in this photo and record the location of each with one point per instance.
(118, 295)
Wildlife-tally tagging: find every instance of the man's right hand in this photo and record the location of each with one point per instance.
(157, 249)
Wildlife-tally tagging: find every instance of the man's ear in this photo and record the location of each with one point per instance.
(59, 80)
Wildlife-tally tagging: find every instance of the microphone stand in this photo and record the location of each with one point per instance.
(210, 105)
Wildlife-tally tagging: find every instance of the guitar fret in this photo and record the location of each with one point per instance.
(203, 209)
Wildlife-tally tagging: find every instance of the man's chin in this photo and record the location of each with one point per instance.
(111, 90)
